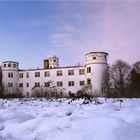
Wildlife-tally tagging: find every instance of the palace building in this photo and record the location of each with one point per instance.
(65, 79)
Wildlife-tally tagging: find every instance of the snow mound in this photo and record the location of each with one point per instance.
(55, 120)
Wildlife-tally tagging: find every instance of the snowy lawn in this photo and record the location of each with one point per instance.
(55, 120)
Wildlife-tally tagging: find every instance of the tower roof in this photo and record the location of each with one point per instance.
(10, 62)
(97, 52)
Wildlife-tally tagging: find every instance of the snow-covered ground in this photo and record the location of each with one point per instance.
(55, 120)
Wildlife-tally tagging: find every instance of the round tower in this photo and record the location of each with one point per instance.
(10, 76)
(52, 62)
(96, 65)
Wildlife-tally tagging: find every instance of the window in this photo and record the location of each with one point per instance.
(10, 75)
(21, 85)
(4, 65)
(94, 57)
(10, 84)
(37, 84)
(27, 93)
(54, 60)
(105, 57)
(14, 65)
(27, 75)
(37, 74)
(81, 71)
(47, 84)
(70, 72)
(71, 83)
(9, 65)
(21, 75)
(82, 83)
(27, 84)
(59, 73)
(59, 84)
(88, 69)
(47, 74)
(89, 81)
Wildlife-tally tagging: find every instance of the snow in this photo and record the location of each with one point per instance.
(30, 119)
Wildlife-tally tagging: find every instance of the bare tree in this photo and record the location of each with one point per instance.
(136, 66)
(135, 79)
(105, 82)
(120, 75)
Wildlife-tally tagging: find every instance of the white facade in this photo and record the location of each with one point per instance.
(66, 79)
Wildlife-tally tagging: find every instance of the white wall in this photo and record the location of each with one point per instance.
(53, 77)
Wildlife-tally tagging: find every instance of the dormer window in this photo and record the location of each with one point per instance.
(94, 57)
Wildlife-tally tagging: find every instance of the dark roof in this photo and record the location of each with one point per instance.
(52, 68)
(97, 52)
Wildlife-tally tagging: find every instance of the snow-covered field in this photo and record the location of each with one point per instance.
(55, 120)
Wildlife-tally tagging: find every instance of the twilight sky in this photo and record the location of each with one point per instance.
(35, 30)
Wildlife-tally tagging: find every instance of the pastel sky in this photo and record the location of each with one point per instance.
(31, 31)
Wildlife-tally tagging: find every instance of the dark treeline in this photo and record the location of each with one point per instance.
(124, 80)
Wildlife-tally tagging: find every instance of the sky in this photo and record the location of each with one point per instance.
(31, 31)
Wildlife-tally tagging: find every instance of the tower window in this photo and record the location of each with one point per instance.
(37, 74)
(105, 57)
(10, 75)
(70, 72)
(9, 65)
(88, 69)
(14, 65)
(59, 73)
(70, 83)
